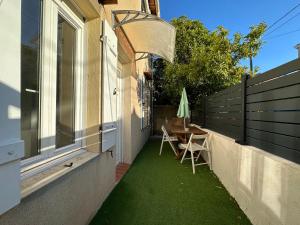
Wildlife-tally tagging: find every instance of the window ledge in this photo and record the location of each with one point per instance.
(40, 180)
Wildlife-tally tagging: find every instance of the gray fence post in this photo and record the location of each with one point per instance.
(242, 139)
(204, 102)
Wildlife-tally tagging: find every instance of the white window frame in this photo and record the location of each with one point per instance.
(48, 72)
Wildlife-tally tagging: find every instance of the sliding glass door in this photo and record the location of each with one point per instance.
(30, 75)
(51, 79)
(65, 96)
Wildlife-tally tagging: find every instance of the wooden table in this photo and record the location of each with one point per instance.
(183, 134)
(179, 130)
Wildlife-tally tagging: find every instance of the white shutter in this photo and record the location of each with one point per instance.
(11, 147)
(109, 87)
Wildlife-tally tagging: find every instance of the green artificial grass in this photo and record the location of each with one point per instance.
(158, 190)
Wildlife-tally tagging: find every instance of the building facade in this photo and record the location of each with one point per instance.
(75, 102)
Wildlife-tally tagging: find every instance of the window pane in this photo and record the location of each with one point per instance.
(30, 55)
(65, 98)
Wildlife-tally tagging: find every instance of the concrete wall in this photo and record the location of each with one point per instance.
(70, 200)
(11, 146)
(265, 186)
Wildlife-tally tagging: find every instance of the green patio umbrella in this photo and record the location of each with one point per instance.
(183, 110)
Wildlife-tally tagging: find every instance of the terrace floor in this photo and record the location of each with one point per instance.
(158, 190)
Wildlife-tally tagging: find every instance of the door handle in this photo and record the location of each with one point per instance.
(31, 91)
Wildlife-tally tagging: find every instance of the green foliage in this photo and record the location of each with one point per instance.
(205, 61)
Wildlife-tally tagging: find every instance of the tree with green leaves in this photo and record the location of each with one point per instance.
(252, 43)
(205, 61)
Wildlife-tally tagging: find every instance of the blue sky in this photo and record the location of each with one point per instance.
(238, 16)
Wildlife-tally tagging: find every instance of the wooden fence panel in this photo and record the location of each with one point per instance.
(273, 111)
(223, 113)
(282, 70)
(263, 111)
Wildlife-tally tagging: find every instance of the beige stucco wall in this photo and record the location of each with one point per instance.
(74, 198)
(265, 186)
(70, 200)
(139, 136)
(93, 113)
(122, 5)
(134, 136)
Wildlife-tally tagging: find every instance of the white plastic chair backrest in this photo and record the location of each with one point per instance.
(199, 137)
(164, 131)
(167, 136)
(195, 125)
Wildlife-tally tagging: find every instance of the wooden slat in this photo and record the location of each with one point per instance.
(228, 93)
(232, 88)
(286, 92)
(228, 130)
(283, 117)
(280, 151)
(278, 139)
(222, 102)
(234, 108)
(235, 115)
(223, 121)
(235, 101)
(234, 94)
(284, 81)
(280, 128)
(283, 104)
(222, 124)
(276, 72)
(224, 108)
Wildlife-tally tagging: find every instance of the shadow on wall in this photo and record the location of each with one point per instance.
(139, 136)
(266, 187)
(10, 118)
(10, 113)
(274, 185)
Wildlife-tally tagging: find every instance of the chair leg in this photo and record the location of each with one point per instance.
(198, 156)
(185, 151)
(193, 163)
(209, 159)
(161, 146)
(173, 148)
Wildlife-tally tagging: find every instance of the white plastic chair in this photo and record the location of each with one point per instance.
(195, 125)
(183, 147)
(192, 146)
(167, 138)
